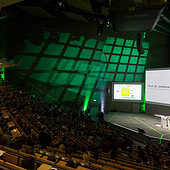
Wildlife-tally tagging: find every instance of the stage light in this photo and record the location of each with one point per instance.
(94, 100)
(75, 38)
(102, 99)
(61, 3)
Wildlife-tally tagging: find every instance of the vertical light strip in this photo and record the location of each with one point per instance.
(3, 74)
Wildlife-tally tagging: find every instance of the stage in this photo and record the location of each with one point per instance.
(129, 122)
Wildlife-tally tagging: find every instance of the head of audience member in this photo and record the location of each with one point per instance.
(28, 162)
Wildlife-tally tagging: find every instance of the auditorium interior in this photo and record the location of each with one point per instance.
(84, 84)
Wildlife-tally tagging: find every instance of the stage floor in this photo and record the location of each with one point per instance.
(131, 121)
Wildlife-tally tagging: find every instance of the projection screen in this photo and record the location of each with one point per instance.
(127, 92)
(157, 86)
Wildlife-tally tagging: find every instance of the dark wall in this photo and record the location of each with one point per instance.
(95, 82)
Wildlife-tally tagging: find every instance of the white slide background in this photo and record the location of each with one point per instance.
(157, 86)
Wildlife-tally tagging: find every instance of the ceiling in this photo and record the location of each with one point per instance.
(82, 10)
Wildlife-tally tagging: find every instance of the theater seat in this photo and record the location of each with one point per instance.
(12, 166)
(1, 162)
(10, 158)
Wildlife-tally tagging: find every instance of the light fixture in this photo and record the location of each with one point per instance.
(94, 100)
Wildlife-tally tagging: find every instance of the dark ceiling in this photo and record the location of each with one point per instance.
(83, 10)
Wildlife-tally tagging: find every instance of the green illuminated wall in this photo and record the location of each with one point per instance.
(79, 70)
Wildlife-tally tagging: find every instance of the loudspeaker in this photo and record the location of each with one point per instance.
(135, 17)
(139, 43)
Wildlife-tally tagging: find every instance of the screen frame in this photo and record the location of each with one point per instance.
(124, 100)
(155, 103)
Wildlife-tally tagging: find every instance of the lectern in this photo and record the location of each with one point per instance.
(164, 121)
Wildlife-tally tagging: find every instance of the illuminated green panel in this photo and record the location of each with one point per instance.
(95, 66)
(131, 69)
(145, 54)
(124, 59)
(110, 40)
(93, 74)
(64, 37)
(65, 64)
(142, 61)
(90, 43)
(146, 45)
(107, 49)
(129, 43)
(46, 64)
(54, 49)
(94, 111)
(114, 58)
(119, 41)
(126, 51)
(82, 66)
(96, 96)
(79, 43)
(129, 77)
(25, 62)
(56, 92)
(122, 68)
(46, 35)
(102, 75)
(77, 80)
(105, 57)
(69, 95)
(60, 79)
(40, 76)
(103, 67)
(109, 76)
(86, 53)
(30, 48)
(97, 55)
(133, 60)
(75, 90)
(71, 52)
(117, 50)
(90, 81)
(135, 52)
(112, 67)
(100, 45)
(140, 69)
(139, 77)
(135, 44)
(119, 77)
(101, 85)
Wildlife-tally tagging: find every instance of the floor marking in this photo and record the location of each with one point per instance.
(113, 117)
(148, 126)
(132, 119)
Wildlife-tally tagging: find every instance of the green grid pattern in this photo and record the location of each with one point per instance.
(81, 69)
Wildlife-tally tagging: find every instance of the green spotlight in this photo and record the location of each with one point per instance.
(3, 74)
(87, 99)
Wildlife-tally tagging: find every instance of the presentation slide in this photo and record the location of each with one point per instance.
(157, 86)
(127, 92)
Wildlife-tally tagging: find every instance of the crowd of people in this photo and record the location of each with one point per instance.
(69, 129)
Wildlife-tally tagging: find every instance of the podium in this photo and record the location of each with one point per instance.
(165, 123)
